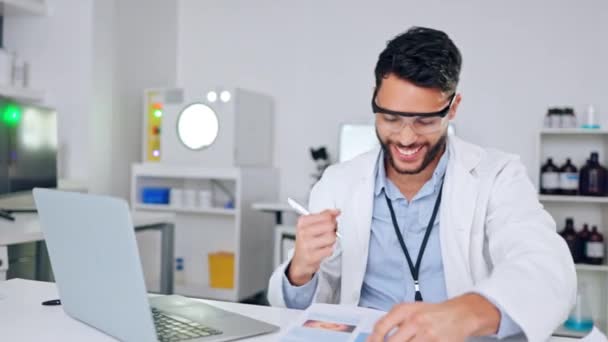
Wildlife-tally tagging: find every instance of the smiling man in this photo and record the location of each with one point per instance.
(446, 236)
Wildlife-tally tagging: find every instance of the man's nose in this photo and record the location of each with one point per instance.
(406, 135)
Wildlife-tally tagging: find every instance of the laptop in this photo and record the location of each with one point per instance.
(93, 252)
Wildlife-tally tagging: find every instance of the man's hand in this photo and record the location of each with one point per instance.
(453, 320)
(315, 238)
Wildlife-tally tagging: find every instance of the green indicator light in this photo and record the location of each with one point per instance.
(158, 113)
(11, 114)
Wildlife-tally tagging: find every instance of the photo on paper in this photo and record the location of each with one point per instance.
(328, 325)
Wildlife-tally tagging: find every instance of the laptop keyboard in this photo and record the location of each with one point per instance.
(171, 328)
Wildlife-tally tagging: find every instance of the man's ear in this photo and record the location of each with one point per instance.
(454, 108)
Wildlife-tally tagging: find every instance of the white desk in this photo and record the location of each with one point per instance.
(276, 208)
(23, 318)
(26, 228)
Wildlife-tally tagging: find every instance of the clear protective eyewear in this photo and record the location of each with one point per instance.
(420, 123)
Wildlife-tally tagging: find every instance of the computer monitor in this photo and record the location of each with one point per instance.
(28, 147)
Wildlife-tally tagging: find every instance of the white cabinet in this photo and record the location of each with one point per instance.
(577, 144)
(201, 230)
(22, 8)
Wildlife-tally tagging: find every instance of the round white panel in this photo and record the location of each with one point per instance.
(197, 126)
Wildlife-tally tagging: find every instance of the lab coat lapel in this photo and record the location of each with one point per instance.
(355, 258)
(457, 213)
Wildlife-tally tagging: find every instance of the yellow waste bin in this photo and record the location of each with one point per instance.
(221, 270)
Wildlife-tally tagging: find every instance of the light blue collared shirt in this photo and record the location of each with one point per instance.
(388, 280)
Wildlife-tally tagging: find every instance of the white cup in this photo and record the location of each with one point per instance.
(189, 198)
(204, 199)
(176, 199)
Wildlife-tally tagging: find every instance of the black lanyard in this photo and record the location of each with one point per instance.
(415, 269)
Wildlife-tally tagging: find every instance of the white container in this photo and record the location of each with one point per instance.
(6, 67)
(189, 198)
(176, 198)
(204, 199)
(591, 119)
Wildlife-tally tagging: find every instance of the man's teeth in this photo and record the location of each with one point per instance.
(408, 151)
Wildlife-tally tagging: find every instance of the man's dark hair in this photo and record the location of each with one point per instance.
(426, 57)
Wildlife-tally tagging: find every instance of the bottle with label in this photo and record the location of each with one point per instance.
(550, 118)
(568, 179)
(569, 234)
(568, 119)
(582, 238)
(595, 247)
(556, 118)
(593, 177)
(549, 178)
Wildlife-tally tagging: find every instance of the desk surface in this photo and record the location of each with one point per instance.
(272, 206)
(22, 318)
(26, 227)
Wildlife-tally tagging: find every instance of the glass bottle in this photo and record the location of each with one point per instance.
(580, 318)
(582, 238)
(549, 178)
(595, 247)
(593, 177)
(556, 118)
(591, 120)
(568, 119)
(549, 118)
(569, 234)
(568, 179)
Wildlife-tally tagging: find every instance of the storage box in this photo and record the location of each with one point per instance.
(221, 270)
(155, 195)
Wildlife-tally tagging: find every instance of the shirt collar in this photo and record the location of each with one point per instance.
(382, 182)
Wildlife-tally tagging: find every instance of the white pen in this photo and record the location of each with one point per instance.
(302, 211)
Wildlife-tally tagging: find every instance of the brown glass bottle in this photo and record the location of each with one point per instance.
(582, 238)
(549, 178)
(593, 177)
(569, 234)
(568, 178)
(595, 247)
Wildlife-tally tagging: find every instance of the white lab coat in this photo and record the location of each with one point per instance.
(496, 238)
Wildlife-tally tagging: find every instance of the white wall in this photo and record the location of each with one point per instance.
(93, 58)
(102, 105)
(59, 49)
(317, 58)
(145, 58)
